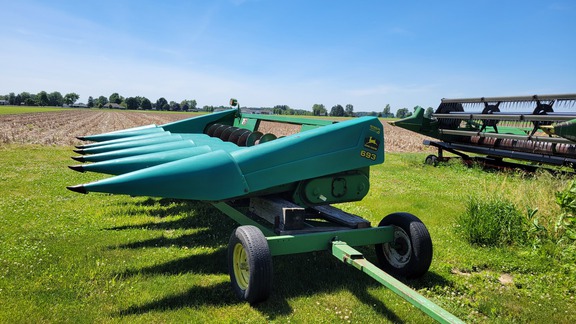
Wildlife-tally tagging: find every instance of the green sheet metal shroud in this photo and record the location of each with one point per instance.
(270, 167)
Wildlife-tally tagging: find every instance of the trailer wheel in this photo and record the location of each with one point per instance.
(431, 160)
(409, 255)
(250, 264)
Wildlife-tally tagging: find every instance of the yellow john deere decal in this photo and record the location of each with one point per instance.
(375, 129)
(371, 143)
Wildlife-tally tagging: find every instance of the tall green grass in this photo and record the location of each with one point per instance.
(493, 222)
(66, 257)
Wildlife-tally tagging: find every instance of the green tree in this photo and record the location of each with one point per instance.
(403, 113)
(26, 98)
(146, 104)
(42, 99)
(70, 98)
(184, 105)
(131, 103)
(56, 99)
(318, 110)
(139, 101)
(208, 108)
(12, 99)
(429, 111)
(349, 110)
(174, 106)
(386, 112)
(337, 111)
(281, 110)
(116, 98)
(192, 104)
(101, 102)
(90, 103)
(160, 103)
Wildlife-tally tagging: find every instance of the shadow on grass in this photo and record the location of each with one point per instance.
(163, 207)
(304, 275)
(215, 295)
(212, 229)
(209, 263)
(316, 274)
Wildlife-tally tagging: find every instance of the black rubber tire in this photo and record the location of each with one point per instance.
(251, 272)
(431, 160)
(410, 255)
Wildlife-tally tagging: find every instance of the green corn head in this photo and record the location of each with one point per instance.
(222, 156)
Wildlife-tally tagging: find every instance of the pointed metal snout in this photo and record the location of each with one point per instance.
(125, 139)
(138, 162)
(78, 188)
(134, 151)
(78, 168)
(129, 144)
(79, 159)
(121, 134)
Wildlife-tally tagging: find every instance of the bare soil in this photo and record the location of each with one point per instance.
(62, 127)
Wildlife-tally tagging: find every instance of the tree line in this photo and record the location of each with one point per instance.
(116, 101)
(40, 99)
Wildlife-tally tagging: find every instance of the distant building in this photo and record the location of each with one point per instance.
(4, 102)
(113, 106)
(257, 111)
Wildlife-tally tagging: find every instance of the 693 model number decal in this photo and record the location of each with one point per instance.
(368, 155)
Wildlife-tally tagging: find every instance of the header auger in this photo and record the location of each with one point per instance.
(280, 189)
(540, 129)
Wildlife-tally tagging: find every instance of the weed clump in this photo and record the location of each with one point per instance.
(565, 227)
(493, 222)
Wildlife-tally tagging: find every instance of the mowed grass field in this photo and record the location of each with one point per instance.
(67, 257)
(5, 110)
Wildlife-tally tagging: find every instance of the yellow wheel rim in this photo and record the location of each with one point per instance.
(241, 268)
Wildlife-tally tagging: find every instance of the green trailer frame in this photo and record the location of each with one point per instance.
(339, 235)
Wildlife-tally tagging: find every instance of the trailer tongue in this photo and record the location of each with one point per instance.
(279, 190)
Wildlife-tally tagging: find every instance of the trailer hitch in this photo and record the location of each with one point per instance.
(353, 257)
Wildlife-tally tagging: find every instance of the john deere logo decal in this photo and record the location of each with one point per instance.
(371, 143)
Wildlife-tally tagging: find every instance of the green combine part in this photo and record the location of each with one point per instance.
(540, 129)
(279, 189)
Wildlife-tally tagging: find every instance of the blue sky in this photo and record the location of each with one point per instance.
(297, 53)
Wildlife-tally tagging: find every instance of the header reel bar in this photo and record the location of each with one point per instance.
(451, 113)
(544, 125)
(560, 97)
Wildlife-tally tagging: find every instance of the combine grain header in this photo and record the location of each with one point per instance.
(279, 190)
(537, 129)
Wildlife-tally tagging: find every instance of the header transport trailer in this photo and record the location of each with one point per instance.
(538, 129)
(279, 190)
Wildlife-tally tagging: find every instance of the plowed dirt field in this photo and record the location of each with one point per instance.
(62, 127)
